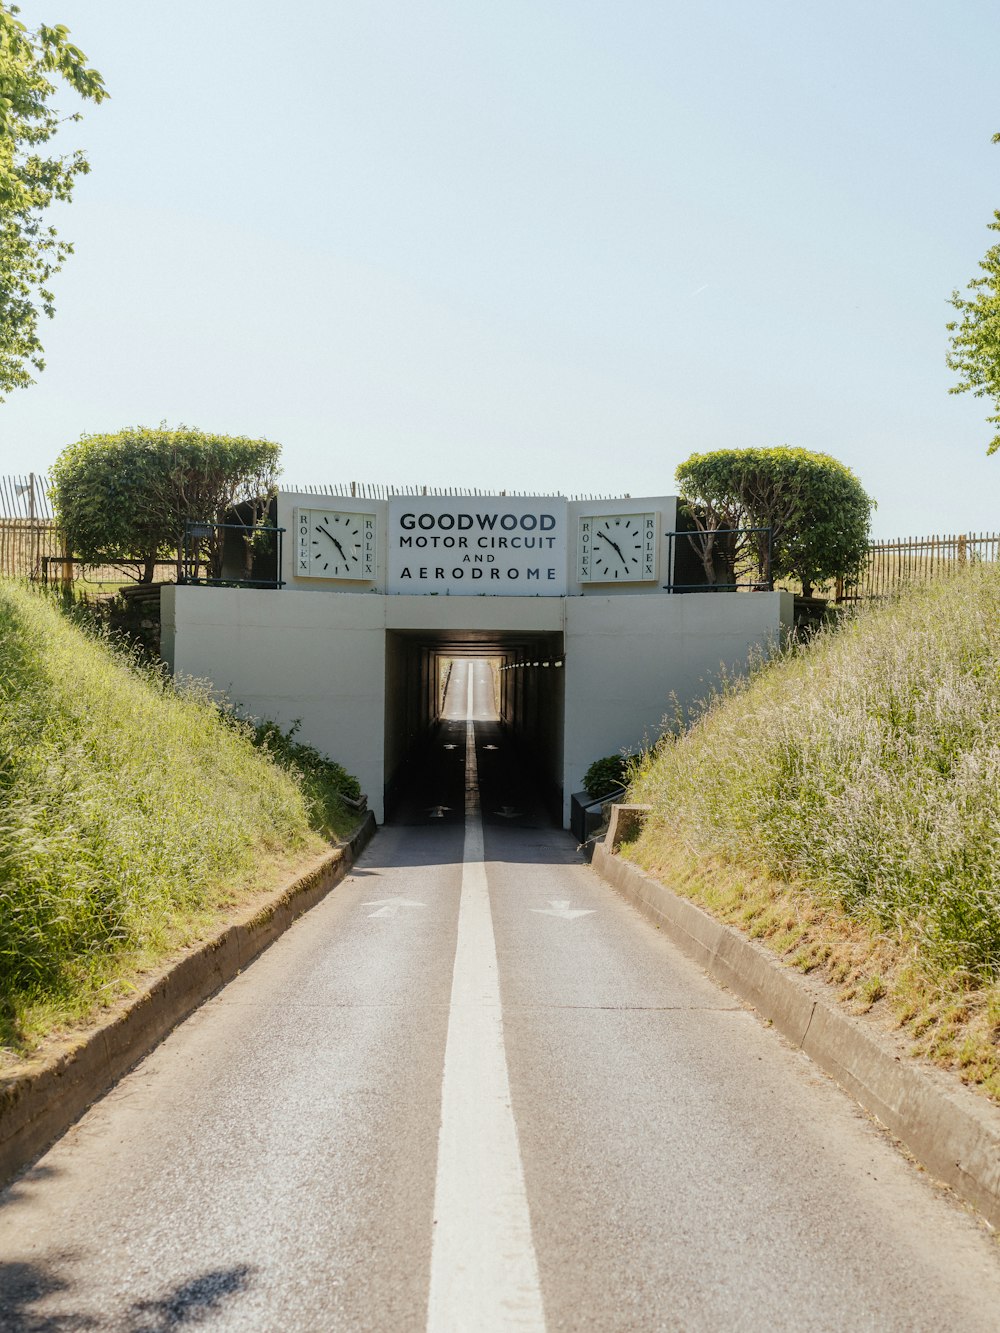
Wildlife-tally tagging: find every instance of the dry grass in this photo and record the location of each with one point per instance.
(844, 807)
(944, 1016)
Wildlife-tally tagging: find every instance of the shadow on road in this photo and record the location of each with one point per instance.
(27, 1285)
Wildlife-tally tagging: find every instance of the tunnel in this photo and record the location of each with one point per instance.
(529, 680)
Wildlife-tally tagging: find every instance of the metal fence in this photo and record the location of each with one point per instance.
(25, 497)
(25, 544)
(372, 490)
(27, 531)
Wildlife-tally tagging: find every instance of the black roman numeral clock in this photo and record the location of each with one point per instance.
(334, 544)
(617, 548)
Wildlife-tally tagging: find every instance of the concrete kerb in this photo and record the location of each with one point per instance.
(39, 1105)
(951, 1131)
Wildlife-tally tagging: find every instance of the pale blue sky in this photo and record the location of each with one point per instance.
(553, 246)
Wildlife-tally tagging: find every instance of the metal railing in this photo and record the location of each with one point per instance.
(720, 560)
(202, 549)
(102, 570)
(581, 817)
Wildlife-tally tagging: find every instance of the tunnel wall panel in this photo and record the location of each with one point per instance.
(629, 658)
(290, 656)
(411, 706)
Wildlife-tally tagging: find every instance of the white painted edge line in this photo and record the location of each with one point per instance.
(484, 1275)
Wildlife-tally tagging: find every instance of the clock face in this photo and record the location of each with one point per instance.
(331, 544)
(617, 548)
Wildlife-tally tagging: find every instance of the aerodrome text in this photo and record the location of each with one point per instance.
(476, 572)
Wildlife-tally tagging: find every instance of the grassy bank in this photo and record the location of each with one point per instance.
(844, 806)
(131, 816)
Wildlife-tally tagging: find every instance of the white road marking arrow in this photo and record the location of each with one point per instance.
(563, 910)
(390, 906)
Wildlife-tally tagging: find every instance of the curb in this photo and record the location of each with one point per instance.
(951, 1132)
(37, 1107)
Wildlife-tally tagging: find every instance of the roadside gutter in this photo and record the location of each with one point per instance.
(953, 1133)
(39, 1105)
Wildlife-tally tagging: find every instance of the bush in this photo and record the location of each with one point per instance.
(606, 775)
(323, 780)
(130, 496)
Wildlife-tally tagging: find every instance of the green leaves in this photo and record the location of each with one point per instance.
(975, 338)
(606, 775)
(128, 810)
(30, 253)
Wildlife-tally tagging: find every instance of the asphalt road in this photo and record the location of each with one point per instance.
(382, 1125)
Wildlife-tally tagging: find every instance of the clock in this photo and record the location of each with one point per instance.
(332, 544)
(617, 548)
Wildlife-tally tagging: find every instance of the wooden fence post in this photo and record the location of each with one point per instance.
(67, 568)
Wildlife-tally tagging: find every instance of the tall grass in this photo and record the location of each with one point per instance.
(125, 808)
(864, 767)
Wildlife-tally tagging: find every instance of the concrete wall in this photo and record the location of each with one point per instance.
(626, 656)
(352, 666)
(287, 655)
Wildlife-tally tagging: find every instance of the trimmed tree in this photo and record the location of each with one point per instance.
(132, 495)
(816, 512)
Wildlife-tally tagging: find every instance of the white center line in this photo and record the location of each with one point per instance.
(484, 1275)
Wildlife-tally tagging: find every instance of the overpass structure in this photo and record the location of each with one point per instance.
(571, 599)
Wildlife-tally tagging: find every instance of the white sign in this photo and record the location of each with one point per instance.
(478, 544)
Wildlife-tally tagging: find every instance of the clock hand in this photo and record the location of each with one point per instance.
(616, 546)
(333, 539)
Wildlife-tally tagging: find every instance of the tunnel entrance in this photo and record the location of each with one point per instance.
(519, 689)
(352, 646)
